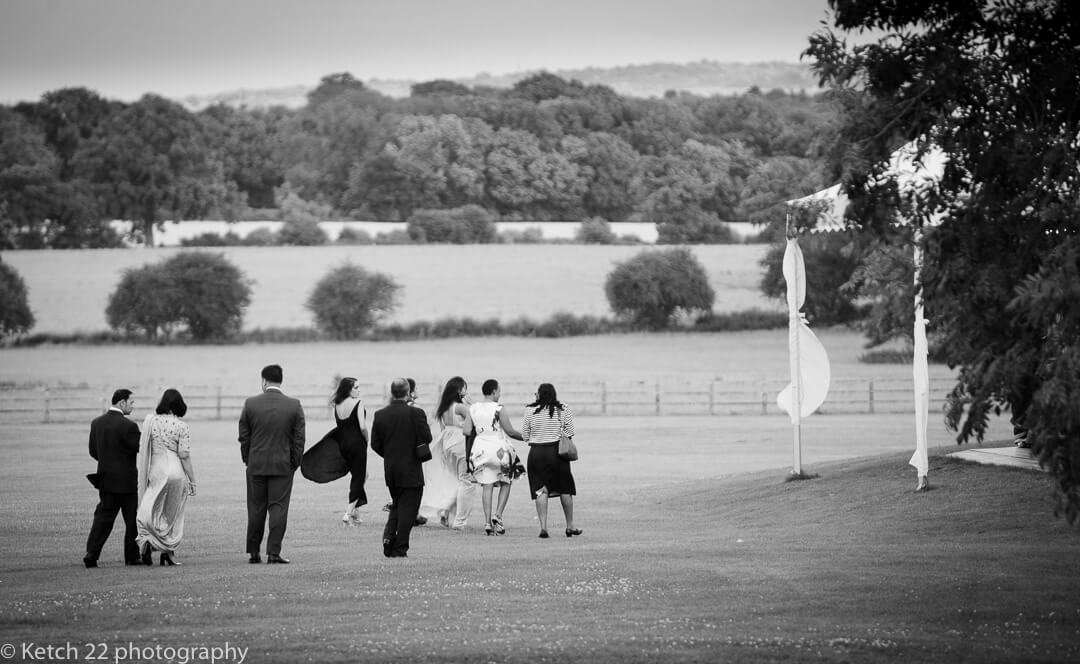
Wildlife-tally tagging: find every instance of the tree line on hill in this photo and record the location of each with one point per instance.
(545, 149)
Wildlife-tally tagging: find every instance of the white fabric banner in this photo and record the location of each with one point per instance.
(810, 369)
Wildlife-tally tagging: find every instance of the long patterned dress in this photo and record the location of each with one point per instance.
(160, 517)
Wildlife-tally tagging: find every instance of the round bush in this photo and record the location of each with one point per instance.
(596, 231)
(302, 234)
(200, 292)
(470, 224)
(348, 301)
(651, 287)
(15, 314)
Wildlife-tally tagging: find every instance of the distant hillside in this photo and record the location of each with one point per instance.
(653, 80)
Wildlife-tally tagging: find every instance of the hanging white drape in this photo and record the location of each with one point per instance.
(921, 374)
(810, 369)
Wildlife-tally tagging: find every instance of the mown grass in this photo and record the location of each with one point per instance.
(695, 550)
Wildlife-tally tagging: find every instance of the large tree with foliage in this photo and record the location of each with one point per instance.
(153, 162)
(653, 287)
(996, 85)
(349, 300)
(201, 292)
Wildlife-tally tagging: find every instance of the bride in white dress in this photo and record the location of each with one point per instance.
(448, 482)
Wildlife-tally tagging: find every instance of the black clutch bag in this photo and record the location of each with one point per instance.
(423, 452)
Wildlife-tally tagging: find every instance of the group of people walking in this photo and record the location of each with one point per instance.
(146, 473)
(474, 448)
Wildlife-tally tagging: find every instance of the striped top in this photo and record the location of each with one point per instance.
(540, 429)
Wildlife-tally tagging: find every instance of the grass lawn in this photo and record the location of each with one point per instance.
(695, 550)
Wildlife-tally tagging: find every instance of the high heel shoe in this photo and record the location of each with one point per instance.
(146, 554)
(570, 532)
(544, 533)
(497, 524)
(489, 530)
(167, 560)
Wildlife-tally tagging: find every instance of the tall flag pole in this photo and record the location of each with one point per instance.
(808, 361)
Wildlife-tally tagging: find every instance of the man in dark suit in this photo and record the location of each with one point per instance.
(396, 430)
(114, 444)
(272, 446)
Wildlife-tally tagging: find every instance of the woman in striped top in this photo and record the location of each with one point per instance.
(549, 474)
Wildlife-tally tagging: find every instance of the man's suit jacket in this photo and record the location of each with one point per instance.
(114, 443)
(272, 433)
(396, 430)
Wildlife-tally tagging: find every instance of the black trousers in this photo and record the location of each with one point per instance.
(399, 523)
(109, 505)
(267, 495)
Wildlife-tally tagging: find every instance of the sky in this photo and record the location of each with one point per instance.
(123, 49)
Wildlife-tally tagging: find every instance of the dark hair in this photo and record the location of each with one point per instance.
(489, 387)
(412, 385)
(545, 398)
(171, 402)
(451, 395)
(399, 388)
(344, 388)
(272, 373)
(120, 395)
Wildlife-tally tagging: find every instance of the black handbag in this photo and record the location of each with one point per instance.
(423, 452)
(567, 447)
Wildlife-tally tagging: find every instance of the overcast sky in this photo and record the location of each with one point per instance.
(125, 48)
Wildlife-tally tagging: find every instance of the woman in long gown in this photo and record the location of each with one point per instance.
(166, 479)
(448, 482)
(352, 437)
(493, 456)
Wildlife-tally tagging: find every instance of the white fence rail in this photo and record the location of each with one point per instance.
(216, 402)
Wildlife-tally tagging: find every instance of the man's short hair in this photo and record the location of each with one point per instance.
(399, 388)
(120, 395)
(273, 373)
(489, 387)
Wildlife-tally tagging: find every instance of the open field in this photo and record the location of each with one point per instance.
(695, 550)
(69, 290)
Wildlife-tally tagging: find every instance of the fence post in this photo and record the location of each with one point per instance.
(712, 397)
(218, 405)
(657, 397)
(764, 399)
(603, 397)
(48, 398)
(870, 384)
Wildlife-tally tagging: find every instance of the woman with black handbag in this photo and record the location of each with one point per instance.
(546, 421)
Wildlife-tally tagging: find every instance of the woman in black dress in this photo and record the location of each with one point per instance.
(549, 474)
(352, 436)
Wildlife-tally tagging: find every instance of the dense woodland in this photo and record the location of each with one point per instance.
(546, 148)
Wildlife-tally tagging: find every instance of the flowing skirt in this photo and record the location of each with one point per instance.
(160, 517)
(440, 474)
(494, 460)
